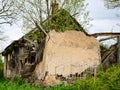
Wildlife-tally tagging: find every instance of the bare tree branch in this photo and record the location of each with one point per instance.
(111, 4)
(6, 23)
(40, 27)
(8, 12)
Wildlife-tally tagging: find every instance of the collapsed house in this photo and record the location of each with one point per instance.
(66, 53)
(19, 59)
(27, 49)
(109, 55)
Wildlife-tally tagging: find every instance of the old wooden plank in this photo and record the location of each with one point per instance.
(105, 34)
(108, 38)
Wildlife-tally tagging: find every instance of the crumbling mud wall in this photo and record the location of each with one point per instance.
(68, 53)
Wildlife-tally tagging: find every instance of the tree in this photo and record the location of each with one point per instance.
(111, 4)
(8, 12)
(8, 15)
(33, 11)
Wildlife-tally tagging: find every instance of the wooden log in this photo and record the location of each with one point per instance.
(104, 34)
(108, 38)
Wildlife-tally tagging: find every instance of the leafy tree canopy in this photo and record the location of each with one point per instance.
(39, 10)
(61, 21)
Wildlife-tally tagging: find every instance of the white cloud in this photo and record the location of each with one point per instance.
(104, 25)
(13, 32)
(99, 11)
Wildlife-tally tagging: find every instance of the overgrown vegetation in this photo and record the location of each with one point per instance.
(61, 21)
(17, 84)
(109, 80)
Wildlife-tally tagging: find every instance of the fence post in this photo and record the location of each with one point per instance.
(118, 49)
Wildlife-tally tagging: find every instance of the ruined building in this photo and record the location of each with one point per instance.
(61, 53)
(19, 58)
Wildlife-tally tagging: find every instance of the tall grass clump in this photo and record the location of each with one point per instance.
(108, 80)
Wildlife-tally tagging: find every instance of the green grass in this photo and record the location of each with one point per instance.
(16, 85)
(109, 80)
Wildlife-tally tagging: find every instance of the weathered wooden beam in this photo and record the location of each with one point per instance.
(105, 34)
(118, 46)
(108, 38)
(39, 26)
(30, 41)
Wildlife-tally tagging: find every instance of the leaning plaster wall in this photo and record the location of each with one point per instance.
(68, 53)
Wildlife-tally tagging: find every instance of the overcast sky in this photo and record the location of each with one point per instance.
(104, 20)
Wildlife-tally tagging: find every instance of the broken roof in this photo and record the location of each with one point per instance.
(60, 21)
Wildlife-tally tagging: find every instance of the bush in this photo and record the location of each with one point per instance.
(109, 80)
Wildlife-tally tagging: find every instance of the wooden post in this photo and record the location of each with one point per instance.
(118, 47)
(5, 66)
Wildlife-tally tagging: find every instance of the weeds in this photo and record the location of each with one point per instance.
(109, 80)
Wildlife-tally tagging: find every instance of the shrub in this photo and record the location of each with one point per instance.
(109, 80)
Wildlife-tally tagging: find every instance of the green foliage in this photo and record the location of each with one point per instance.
(37, 11)
(16, 84)
(37, 35)
(109, 80)
(88, 74)
(61, 22)
(100, 67)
